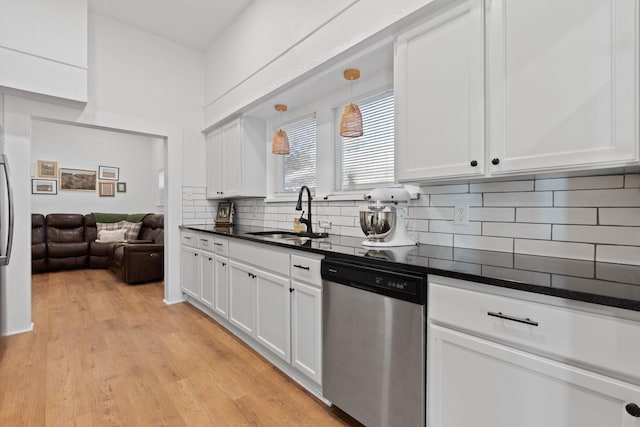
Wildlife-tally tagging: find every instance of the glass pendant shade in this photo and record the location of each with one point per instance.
(351, 122)
(280, 142)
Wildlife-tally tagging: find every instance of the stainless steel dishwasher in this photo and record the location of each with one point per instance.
(373, 340)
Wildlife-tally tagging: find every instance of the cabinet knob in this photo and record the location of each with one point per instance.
(474, 163)
(633, 410)
(195, 254)
(224, 264)
(291, 289)
(495, 161)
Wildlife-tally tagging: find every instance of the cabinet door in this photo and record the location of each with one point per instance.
(242, 296)
(474, 382)
(221, 286)
(190, 272)
(233, 165)
(306, 329)
(562, 83)
(273, 318)
(207, 278)
(439, 83)
(214, 164)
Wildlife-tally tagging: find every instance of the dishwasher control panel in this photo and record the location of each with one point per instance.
(405, 285)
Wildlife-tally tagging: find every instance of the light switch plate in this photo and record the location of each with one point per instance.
(461, 215)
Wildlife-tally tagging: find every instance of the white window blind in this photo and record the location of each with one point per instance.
(367, 161)
(299, 166)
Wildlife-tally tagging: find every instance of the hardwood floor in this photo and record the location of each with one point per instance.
(108, 354)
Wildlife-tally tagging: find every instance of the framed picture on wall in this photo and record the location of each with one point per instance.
(77, 179)
(122, 187)
(47, 169)
(44, 186)
(107, 189)
(109, 172)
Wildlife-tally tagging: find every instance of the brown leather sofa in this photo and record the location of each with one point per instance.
(66, 245)
(142, 260)
(38, 244)
(67, 241)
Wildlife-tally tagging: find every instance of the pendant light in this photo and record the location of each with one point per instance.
(351, 120)
(280, 142)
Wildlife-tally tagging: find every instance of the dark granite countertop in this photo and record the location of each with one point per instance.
(615, 285)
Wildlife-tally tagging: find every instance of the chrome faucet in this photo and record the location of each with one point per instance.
(306, 221)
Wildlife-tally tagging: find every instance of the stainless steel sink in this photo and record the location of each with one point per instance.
(288, 235)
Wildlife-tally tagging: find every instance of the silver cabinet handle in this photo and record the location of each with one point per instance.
(512, 318)
(4, 260)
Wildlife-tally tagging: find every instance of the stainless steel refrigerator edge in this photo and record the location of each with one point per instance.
(373, 355)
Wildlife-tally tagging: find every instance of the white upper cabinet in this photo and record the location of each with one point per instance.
(560, 90)
(43, 47)
(562, 84)
(236, 160)
(439, 93)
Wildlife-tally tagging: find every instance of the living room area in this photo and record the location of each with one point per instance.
(97, 201)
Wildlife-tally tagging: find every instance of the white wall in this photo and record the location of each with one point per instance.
(273, 43)
(139, 83)
(80, 147)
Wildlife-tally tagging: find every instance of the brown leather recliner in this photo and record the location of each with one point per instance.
(141, 262)
(66, 246)
(38, 244)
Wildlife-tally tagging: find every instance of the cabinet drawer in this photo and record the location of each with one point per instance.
(221, 246)
(306, 269)
(606, 343)
(189, 238)
(206, 242)
(259, 255)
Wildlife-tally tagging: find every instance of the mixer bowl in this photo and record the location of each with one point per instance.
(378, 224)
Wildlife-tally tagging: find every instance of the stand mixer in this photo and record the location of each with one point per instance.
(383, 223)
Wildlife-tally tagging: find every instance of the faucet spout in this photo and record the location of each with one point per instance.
(305, 221)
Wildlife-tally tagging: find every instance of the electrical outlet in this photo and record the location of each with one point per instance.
(325, 224)
(461, 215)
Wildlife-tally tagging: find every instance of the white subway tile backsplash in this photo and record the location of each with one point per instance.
(583, 218)
(439, 212)
(499, 244)
(518, 230)
(619, 216)
(580, 183)
(456, 199)
(600, 198)
(462, 267)
(597, 234)
(531, 277)
(445, 189)
(555, 249)
(437, 226)
(632, 181)
(438, 239)
(517, 199)
(501, 187)
(618, 254)
(557, 215)
(490, 214)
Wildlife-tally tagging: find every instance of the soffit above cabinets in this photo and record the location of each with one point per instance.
(372, 61)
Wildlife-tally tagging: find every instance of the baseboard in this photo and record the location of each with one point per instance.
(19, 331)
(178, 301)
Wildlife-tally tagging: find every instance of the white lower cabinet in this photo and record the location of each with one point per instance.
(306, 329)
(479, 376)
(242, 297)
(272, 313)
(190, 271)
(221, 286)
(207, 277)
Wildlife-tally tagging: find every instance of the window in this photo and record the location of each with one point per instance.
(299, 166)
(367, 161)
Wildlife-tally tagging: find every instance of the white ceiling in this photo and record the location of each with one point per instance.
(194, 23)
